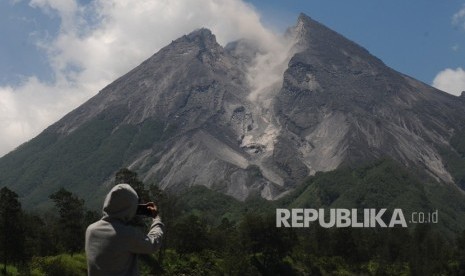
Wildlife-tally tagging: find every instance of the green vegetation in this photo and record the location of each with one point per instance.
(384, 184)
(78, 162)
(63, 264)
(209, 233)
(10, 270)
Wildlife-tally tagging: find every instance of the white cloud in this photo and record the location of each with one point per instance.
(451, 81)
(104, 39)
(29, 108)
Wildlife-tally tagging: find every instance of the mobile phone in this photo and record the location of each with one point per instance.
(143, 210)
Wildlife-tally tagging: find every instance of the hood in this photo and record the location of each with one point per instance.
(120, 203)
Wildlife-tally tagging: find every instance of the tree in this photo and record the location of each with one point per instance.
(70, 228)
(38, 238)
(127, 176)
(12, 244)
(190, 235)
(267, 243)
(169, 205)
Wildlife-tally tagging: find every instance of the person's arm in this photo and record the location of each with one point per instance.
(147, 244)
(155, 233)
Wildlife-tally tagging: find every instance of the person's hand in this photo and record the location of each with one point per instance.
(153, 208)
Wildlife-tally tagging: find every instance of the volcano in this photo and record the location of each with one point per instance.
(198, 113)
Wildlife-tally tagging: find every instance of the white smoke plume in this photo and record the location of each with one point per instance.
(265, 73)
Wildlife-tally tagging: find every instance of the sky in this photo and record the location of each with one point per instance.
(56, 54)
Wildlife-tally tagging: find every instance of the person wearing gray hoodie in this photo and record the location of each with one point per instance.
(112, 244)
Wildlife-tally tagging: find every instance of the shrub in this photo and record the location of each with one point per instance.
(64, 264)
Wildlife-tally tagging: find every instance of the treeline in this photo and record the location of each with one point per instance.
(208, 233)
(27, 236)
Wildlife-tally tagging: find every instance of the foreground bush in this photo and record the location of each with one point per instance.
(10, 270)
(64, 264)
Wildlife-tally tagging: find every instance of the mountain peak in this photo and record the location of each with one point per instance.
(202, 33)
(202, 36)
(302, 26)
(313, 33)
(307, 24)
(201, 39)
(304, 18)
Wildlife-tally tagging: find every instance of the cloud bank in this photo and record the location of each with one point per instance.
(100, 41)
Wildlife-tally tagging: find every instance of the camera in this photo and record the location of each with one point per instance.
(143, 210)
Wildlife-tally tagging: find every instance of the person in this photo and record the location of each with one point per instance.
(112, 244)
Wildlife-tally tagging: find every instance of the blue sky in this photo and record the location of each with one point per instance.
(55, 54)
(20, 56)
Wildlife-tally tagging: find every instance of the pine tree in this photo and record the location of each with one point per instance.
(12, 244)
(70, 228)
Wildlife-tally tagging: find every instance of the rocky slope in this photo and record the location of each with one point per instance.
(197, 113)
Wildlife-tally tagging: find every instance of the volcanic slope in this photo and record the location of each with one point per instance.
(195, 113)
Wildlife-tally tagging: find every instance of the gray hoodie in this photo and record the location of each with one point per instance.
(112, 244)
